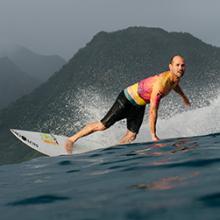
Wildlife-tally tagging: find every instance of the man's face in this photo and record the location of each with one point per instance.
(177, 67)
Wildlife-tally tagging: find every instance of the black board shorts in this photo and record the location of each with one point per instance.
(124, 109)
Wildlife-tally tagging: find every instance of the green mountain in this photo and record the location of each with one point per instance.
(86, 86)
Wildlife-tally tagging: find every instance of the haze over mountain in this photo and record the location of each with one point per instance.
(14, 83)
(38, 66)
(22, 70)
(87, 85)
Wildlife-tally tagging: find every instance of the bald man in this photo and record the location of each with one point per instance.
(131, 102)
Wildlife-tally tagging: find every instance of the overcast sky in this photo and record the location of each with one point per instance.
(63, 26)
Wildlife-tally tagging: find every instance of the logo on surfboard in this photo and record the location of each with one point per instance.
(49, 139)
(24, 139)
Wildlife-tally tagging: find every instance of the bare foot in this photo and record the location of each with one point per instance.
(69, 146)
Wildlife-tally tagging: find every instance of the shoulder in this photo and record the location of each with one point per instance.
(164, 74)
(161, 82)
(161, 78)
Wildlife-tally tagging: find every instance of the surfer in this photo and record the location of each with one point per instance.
(131, 102)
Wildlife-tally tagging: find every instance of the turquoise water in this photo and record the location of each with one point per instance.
(174, 179)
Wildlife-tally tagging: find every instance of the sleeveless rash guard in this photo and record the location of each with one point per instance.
(139, 94)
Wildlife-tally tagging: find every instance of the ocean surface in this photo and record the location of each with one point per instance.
(176, 178)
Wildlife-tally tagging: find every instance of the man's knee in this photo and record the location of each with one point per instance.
(131, 135)
(128, 137)
(96, 126)
(100, 126)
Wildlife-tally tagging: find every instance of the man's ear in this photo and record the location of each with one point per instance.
(170, 66)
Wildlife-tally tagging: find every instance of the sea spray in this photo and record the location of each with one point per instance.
(192, 122)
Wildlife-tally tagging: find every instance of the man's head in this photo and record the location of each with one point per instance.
(177, 66)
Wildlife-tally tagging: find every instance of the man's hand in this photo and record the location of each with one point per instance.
(155, 138)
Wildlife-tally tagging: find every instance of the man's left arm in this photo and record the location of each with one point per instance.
(179, 91)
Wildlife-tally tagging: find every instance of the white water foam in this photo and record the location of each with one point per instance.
(200, 121)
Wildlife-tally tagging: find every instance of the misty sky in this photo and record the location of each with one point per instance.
(63, 26)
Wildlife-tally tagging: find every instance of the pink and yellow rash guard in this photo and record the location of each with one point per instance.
(158, 86)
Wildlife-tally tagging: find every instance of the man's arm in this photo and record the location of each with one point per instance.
(154, 105)
(179, 91)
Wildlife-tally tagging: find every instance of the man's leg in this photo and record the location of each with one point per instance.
(115, 113)
(128, 137)
(134, 121)
(88, 129)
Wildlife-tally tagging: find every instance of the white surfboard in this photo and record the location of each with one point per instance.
(48, 144)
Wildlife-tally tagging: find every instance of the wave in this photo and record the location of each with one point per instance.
(192, 122)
